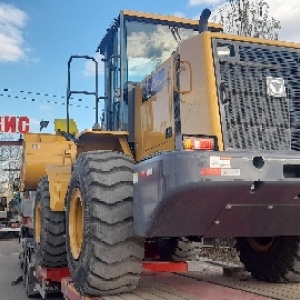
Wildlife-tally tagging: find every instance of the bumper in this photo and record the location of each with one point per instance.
(217, 194)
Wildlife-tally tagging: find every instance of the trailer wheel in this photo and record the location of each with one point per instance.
(49, 229)
(29, 285)
(28, 276)
(104, 255)
(274, 259)
(177, 249)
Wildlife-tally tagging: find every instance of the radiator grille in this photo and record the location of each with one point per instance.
(251, 117)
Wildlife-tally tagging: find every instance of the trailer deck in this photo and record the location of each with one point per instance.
(169, 287)
(12, 230)
(191, 280)
(9, 229)
(209, 283)
(194, 280)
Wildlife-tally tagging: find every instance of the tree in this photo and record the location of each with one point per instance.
(247, 18)
(10, 160)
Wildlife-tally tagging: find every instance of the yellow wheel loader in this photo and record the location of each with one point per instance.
(199, 140)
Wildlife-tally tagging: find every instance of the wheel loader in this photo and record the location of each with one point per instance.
(199, 139)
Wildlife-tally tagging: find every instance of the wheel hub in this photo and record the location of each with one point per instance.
(37, 223)
(76, 223)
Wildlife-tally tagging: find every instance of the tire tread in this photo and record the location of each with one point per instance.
(111, 257)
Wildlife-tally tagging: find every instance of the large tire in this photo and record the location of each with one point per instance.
(177, 249)
(49, 229)
(107, 258)
(271, 259)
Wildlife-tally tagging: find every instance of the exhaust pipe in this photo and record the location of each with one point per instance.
(203, 22)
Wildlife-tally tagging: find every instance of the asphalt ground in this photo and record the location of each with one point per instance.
(10, 271)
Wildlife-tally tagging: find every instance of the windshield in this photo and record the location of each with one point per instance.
(134, 45)
(149, 44)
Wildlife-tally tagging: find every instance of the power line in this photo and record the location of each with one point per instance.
(39, 94)
(44, 101)
(47, 101)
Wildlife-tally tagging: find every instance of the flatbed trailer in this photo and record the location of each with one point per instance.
(9, 229)
(207, 284)
(6, 230)
(8, 224)
(189, 280)
(197, 280)
(200, 285)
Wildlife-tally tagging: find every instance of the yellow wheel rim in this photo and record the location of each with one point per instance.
(37, 222)
(260, 244)
(76, 223)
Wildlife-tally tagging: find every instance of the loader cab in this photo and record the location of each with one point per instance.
(134, 45)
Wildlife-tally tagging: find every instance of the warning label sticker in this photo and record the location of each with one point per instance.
(220, 172)
(210, 172)
(230, 172)
(220, 166)
(220, 162)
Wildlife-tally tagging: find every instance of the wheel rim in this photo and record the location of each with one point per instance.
(261, 244)
(38, 222)
(76, 223)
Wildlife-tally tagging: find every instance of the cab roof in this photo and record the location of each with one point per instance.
(144, 17)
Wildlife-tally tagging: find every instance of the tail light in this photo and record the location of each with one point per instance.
(199, 143)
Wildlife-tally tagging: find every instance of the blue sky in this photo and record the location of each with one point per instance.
(38, 36)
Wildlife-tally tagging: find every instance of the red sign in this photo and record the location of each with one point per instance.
(210, 172)
(14, 124)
